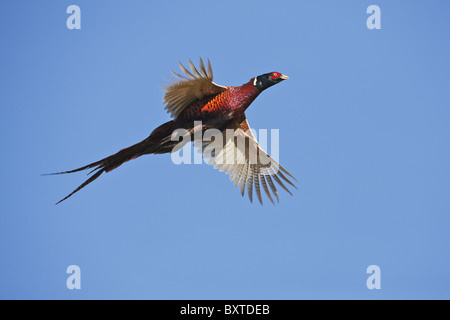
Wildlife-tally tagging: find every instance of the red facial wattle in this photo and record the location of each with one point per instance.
(275, 75)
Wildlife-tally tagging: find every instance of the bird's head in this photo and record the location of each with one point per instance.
(267, 80)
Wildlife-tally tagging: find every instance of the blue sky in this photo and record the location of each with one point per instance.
(363, 126)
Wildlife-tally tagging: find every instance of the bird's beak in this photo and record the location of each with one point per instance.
(284, 77)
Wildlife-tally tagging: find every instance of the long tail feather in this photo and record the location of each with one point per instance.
(84, 184)
(155, 143)
(107, 164)
(95, 164)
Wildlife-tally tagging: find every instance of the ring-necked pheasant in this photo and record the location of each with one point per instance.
(197, 98)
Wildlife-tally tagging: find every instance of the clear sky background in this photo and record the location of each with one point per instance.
(364, 127)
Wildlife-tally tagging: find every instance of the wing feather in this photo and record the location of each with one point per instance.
(247, 168)
(256, 182)
(272, 186)
(192, 87)
(266, 189)
(251, 172)
(194, 70)
(203, 69)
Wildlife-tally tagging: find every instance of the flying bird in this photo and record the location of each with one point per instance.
(195, 99)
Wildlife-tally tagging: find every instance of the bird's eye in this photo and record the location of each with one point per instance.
(275, 75)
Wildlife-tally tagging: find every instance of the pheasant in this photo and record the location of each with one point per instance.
(195, 99)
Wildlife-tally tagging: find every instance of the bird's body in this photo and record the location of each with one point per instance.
(197, 99)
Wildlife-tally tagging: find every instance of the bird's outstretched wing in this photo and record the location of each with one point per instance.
(194, 86)
(247, 163)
